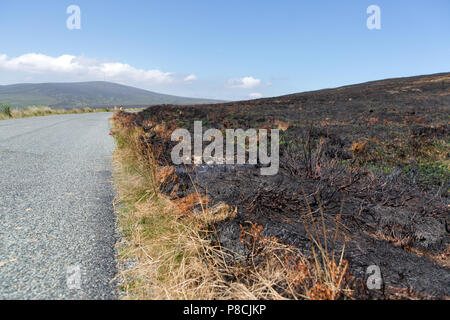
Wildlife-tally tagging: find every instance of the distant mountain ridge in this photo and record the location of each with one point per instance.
(86, 94)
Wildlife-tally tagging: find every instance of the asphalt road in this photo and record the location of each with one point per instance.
(57, 225)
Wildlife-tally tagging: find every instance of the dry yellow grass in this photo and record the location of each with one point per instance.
(359, 147)
(44, 111)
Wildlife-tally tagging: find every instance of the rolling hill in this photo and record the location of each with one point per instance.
(86, 94)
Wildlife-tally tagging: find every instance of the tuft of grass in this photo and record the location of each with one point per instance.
(6, 110)
(359, 147)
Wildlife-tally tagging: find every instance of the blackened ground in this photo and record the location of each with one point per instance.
(374, 158)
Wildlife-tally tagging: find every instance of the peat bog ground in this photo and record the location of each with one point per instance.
(363, 167)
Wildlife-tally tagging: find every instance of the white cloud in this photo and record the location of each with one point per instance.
(88, 69)
(255, 95)
(38, 63)
(190, 77)
(245, 83)
(121, 71)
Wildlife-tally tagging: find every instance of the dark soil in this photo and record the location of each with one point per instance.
(387, 196)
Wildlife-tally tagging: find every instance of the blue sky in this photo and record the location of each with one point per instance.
(223, 49)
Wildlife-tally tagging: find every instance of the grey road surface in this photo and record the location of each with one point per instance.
(57, 225)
